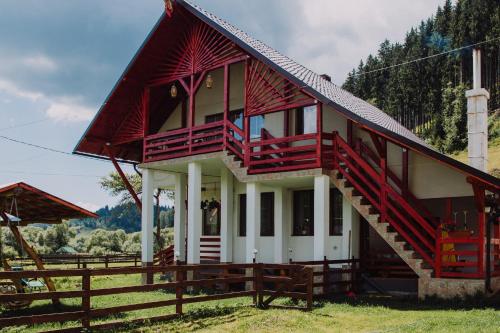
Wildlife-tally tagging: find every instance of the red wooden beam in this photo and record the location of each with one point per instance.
(404, 180)
(379, 146)
(319, 132)
(350, 137)
(124, 177)
(226, 99)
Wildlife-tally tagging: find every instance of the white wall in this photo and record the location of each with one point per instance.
(302, 246)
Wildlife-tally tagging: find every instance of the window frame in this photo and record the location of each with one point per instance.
(263, 221)
(336, 194)
(242, 215)
(295, 232)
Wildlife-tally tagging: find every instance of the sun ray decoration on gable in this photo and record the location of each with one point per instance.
(267, 91)
(132, 127)
(200, 49)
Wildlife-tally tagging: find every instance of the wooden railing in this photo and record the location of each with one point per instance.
(373, 184)
(184, 142)
(283, 154)
(298, 276)
(164, 257)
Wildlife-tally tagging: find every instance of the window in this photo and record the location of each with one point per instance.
(267, 214)
(243, 215)
(303, 213)
(305, 120)
(336, 216)
(256, 125)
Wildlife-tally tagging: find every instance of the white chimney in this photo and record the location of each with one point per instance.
(477, 117)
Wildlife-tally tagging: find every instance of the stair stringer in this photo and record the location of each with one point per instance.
(381, 227)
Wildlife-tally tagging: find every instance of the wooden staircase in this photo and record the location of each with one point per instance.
(400, 246)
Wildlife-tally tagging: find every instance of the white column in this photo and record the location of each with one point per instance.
(280, 234)
(226, 218)
(147, 217)
(180, 217)
(253, 220)
(321, 215)
(194, 213)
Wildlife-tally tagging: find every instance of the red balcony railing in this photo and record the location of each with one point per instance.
(184, 142)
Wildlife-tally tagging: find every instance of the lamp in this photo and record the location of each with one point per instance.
(209, 82)
(173, 91)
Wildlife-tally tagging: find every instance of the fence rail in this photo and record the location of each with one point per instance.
(296, 283)
(82, 260)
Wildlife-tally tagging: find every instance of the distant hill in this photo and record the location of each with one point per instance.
(428, 96)
(124, 216)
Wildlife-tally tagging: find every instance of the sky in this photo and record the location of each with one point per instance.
(59, 59)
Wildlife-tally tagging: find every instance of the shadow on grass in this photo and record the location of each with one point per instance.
(39, 309)
(412, 303)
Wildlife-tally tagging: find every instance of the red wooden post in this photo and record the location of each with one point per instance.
(335, 149)
(191, 111)
(437, 254)
(226, 103)
(246, 119)
(404, 180)
(383, 189)
(319, 133)
(145, 112)
(123, 177)
(310, 287)
(481, 220)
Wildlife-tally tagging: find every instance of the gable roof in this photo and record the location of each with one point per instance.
(356, 109)
(33, 205)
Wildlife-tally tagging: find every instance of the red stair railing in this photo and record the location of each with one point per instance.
(374, 186)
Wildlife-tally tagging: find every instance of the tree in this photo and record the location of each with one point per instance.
(114, 184)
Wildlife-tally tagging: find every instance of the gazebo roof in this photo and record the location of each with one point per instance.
(32, 205)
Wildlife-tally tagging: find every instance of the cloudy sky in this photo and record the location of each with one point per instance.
(59, 59)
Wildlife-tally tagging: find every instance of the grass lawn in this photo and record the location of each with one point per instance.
(365, 314)
(493, 156)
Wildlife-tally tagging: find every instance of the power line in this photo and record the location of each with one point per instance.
(428, 57)
(24, 124)
(53, 150)
(46, 174)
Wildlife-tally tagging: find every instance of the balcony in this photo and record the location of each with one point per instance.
(262, 155)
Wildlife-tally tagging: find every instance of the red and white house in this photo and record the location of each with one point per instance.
(269, 160)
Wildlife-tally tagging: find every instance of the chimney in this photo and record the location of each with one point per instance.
(477, 117)
(326, 77)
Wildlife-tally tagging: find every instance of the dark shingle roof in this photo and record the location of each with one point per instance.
(329, 90)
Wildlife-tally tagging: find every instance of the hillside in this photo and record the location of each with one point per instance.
(426, 93)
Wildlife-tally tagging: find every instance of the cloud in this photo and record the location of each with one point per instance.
(68, 111)
(40, 62)
(12, 89)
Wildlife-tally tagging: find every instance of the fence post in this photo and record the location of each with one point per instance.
(78, 261)
(437, 253)
(179, 277)
(260, 285)
(86, 299)
(135, 260)
(326, 269)
(106, 261)
(310, 287)
(353, 275)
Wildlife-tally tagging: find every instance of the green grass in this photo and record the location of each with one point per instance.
(493, 157)
(365, 314)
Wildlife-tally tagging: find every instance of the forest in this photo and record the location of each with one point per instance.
(428, 96)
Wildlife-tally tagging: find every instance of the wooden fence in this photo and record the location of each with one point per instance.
(248, 280)
(337, 276)
(82, 260)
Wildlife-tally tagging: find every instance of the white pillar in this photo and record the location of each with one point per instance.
(180, 217)
(477, 118)
(226, 218)
(280, 227)
(253, 220)
(147, 216)
(194, 213)
(321, 215)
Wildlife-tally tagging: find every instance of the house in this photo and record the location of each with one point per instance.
(273, 162)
